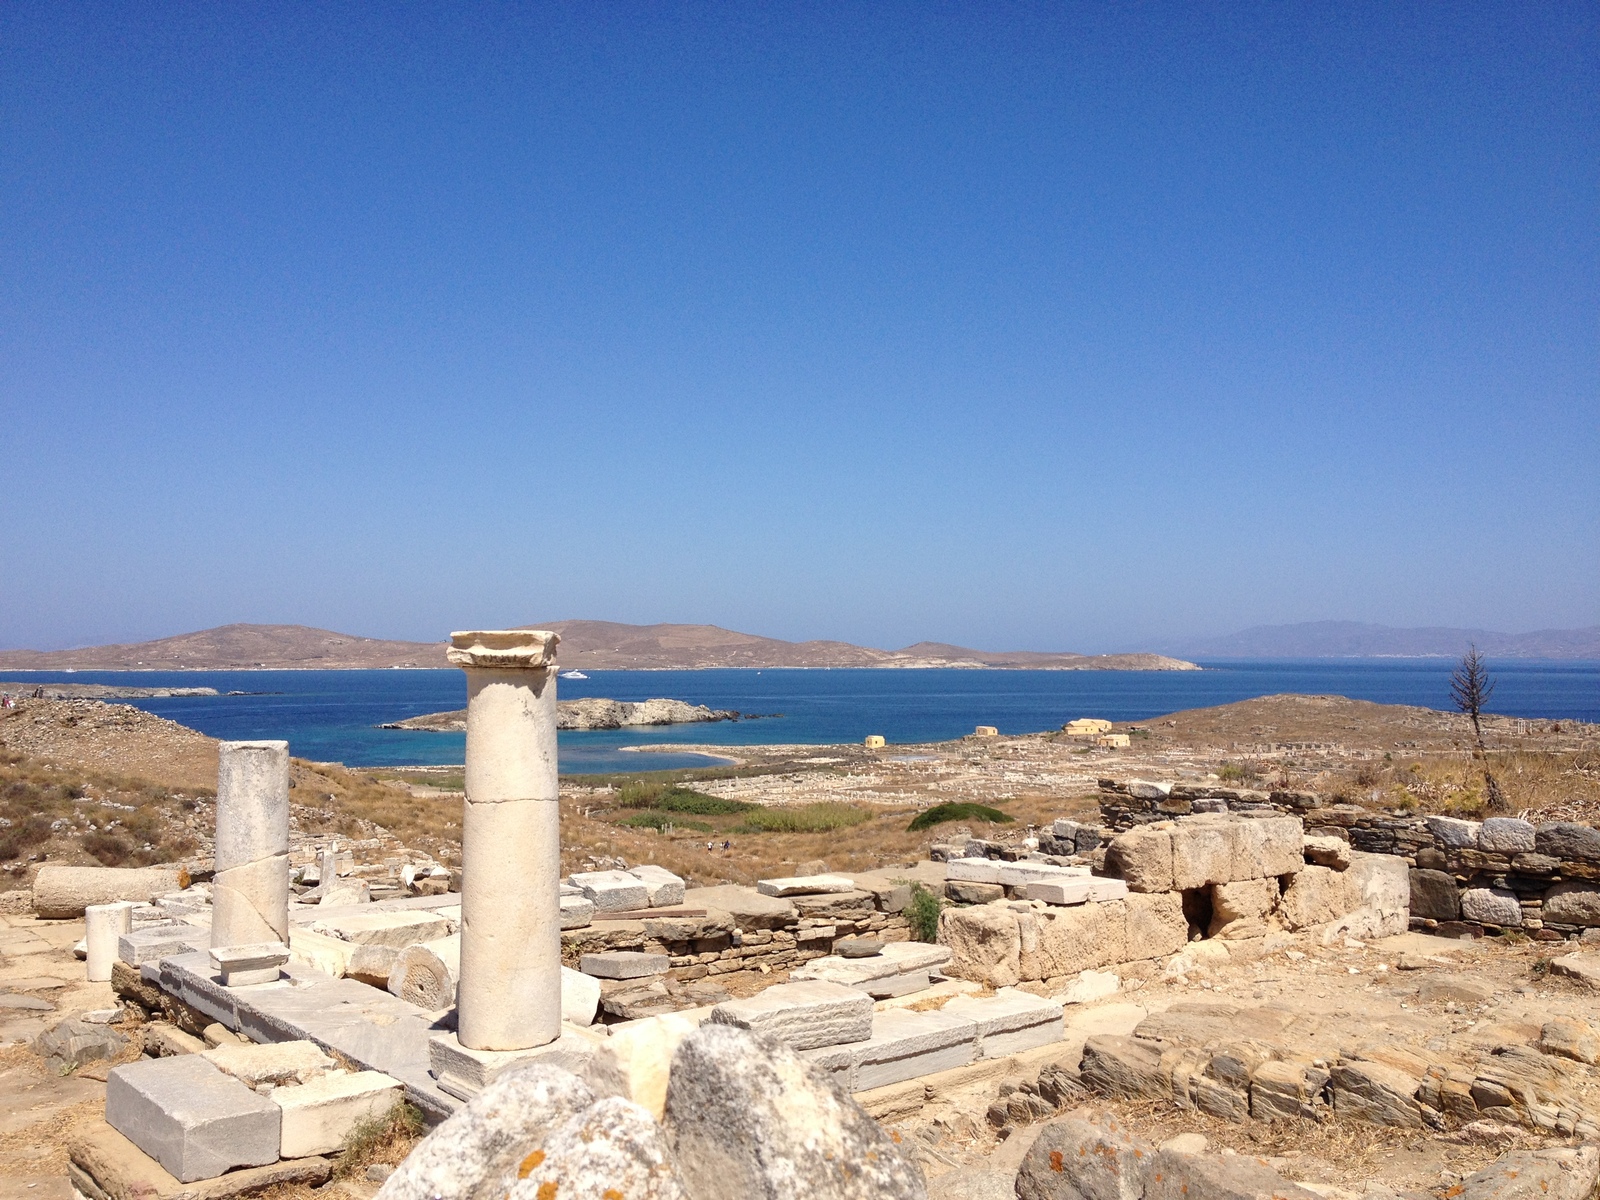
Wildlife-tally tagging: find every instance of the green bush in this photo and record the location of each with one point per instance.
(808, 818)
(651, 819)
(940, 813)
(922, 914)
(673, 798)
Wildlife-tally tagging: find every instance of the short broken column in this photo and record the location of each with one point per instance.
(508, 997)
(250, 892)
(103, 926)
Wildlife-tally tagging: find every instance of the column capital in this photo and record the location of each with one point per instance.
(503, 649)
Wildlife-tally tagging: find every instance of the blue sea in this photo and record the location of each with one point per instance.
(332, 716)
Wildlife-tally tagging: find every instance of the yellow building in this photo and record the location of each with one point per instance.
(985, 731)
(1112, 741)
(874, 741)
(1086, 727)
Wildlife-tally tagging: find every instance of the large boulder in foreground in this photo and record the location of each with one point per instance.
(748, 1119)
(478, 1153)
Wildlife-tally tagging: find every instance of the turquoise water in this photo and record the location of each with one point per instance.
(333, 715)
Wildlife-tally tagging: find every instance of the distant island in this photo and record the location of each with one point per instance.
(1354, 639)
(589, 713)
(585, 645)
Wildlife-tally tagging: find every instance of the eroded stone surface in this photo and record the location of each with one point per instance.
(747, 1120)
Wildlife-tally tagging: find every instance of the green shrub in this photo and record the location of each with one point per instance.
(651, 819)
(808, 818)
(665, 797)
(940, 813)
(922, 914)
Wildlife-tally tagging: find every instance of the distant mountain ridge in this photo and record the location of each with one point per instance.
(1354, 639)
(597, 645)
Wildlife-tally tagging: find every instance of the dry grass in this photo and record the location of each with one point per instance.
(73, 814)
(387, 1139)
(1544, 785)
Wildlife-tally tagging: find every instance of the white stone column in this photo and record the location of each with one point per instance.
(250, 892)
(103, 924)
(509, 994)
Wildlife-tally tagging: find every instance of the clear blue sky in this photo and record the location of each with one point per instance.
(1020, 326)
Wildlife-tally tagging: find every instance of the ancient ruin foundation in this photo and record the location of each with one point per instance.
(250, 893)
(509, 996)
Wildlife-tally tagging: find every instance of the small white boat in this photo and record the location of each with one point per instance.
(573, 675)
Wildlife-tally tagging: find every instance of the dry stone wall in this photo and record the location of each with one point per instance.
(1465, 876)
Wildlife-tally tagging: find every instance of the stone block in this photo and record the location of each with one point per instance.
(1573, 904)
(104, 1165)
(746, 907)
(1142, 858)
(576, 912)
(1064, 941)
(1569, 841)
(1071, 892)
(1491, 906)
(1203, 852)
(394, 929)
(612, 891)
(623, 964)
(1021, 874)
(1379, 894)
(155, 942)
(1010, 1021)
(805, 885)
(1102, 889)
(1507, 835)
(972, 870)
(1317, 895)
(277, 1063)
(1434, 895)
(803, 1015)
(961, 892)
(318, 1116)
(245, 966)
(1453, 833)
(1143, 789)
(852, 972)
(1156, 926)
(903, 983)
(1247, 900)
(463, 1072)
(985, 942)
(665, 888)
(1266, 846)
(905, 1045)
(1327, 851)
(190, 1117)
(580, 997)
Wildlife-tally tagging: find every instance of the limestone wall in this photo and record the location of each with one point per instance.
(743, 931)
(1466, 876)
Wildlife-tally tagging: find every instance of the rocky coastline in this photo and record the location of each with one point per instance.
(589, 713)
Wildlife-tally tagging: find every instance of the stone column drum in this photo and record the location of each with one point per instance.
(103, 925)
(250, 893)
(509, 994)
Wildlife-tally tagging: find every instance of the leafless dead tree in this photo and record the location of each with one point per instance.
(1470, 688)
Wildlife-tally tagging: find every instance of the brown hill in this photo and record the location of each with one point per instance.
(233, 648)
(597, 645)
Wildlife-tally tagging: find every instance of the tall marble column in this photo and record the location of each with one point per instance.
(509, 994)
(250, 892)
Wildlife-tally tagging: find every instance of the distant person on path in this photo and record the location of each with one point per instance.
(727, 846)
